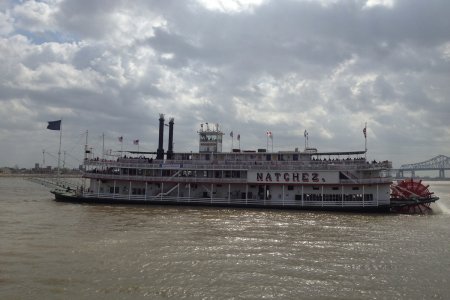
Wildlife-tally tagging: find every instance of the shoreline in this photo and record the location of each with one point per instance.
(41, 175)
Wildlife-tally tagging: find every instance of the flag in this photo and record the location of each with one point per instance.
(365, 132)
(231, 134)
(120, 139)
(239, 137)
(136, 142)
(269, 134)
(54, 125)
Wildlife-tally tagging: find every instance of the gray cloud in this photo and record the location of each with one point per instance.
(285, 66)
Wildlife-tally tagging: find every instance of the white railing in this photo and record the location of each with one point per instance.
(244, 165)
(226, 201)
(223, 180)
(367, 180)
(164, 179)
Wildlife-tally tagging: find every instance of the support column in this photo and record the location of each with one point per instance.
(212, 187)
(322, 195)
(246, 193)
(265, 194)
(378, 197)
(302, 196)
(146, 187)
(363, 195)
(129, 191)
(114, 189)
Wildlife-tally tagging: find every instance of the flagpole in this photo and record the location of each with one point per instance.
(103, 146)
(59, 151)
(271, 137)
(365, 140)
(86, 156)
(232, 140)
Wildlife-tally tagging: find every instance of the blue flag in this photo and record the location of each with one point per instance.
(54, 125)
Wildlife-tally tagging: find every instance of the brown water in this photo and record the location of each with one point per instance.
(52, 250)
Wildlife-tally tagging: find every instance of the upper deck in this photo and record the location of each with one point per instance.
(287, 160)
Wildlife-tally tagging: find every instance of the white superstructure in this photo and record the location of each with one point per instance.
(290, 179)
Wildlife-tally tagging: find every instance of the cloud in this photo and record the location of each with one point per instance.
(252, 66)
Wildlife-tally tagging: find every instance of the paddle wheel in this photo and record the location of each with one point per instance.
(411, 196)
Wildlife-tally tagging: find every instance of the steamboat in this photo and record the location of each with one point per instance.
(308, 179)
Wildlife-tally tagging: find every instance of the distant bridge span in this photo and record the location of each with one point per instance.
(438, 163)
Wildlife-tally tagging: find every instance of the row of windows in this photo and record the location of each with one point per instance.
(139, 191)
(134, 191)
(335, 197)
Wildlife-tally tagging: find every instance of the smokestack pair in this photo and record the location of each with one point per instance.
(160, 151)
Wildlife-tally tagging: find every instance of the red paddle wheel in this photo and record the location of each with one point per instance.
(411, 196)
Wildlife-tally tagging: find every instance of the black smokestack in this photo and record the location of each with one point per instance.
(160, 151)
(170, 150)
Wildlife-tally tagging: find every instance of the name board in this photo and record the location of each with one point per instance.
(292, 177)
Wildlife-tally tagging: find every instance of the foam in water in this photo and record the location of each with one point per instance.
(443, 208)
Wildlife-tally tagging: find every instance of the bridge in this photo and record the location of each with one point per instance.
(438, 163)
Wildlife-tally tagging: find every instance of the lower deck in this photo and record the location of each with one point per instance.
(217, 202)
(272, 195)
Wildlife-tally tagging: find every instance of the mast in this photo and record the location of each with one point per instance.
(103, 146)
(365, 140)
(86, 151)
(59, 152)
(64, 159)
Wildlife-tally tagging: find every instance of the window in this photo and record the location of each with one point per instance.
(290, 187)
(355, 188)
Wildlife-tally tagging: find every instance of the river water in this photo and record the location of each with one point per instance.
(52, 250)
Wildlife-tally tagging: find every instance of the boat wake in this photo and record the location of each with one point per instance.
(444, 209)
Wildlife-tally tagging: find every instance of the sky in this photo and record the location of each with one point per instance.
(110, 67)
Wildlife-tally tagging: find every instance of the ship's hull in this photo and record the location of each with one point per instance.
(72, 198)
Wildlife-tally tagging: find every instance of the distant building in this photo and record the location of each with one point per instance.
(5, 170)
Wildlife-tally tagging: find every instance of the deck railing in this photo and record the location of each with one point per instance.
(226, 201)
(223, 180)
(243, 165)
